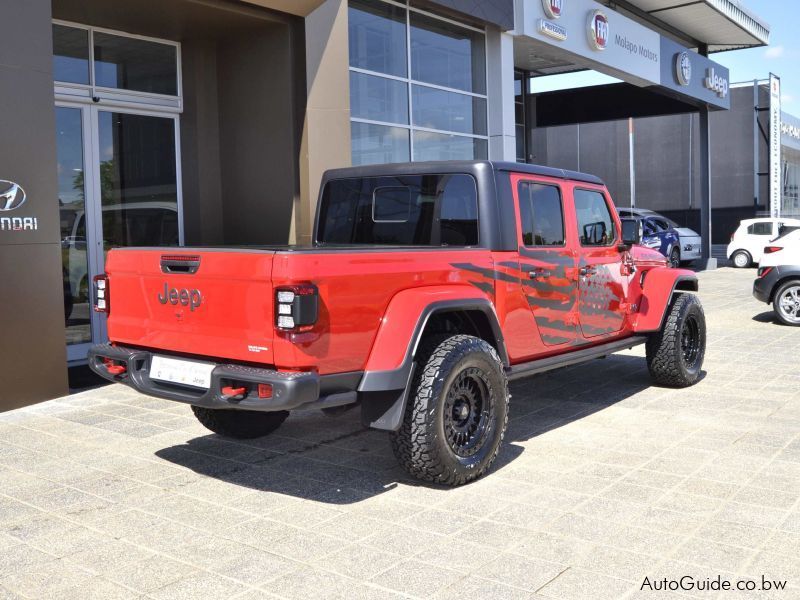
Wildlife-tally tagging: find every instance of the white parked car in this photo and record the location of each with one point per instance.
(748, 241)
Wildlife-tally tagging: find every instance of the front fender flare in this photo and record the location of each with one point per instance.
(387, 375)
(660, 284)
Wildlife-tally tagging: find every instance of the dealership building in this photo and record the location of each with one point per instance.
(210, 122)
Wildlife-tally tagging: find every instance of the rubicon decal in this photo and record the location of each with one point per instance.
(598, 30)
(191, 298)
(12, 195)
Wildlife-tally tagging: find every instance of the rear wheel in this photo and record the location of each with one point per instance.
(239, 424)
(787, 302)
(456, 414)
(741, 259)
(675, 354)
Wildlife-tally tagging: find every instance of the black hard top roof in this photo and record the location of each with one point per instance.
(458, 166)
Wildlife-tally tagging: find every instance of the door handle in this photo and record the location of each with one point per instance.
(588, 270)
(539, 274)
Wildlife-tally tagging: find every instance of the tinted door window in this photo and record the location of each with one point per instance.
(595, 224)
(760, 229)
(416, 210)
(541, 215)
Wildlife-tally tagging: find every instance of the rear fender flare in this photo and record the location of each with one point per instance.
(383, 389)
(660, 285)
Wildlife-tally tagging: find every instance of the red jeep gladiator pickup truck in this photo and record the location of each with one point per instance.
(428, 287)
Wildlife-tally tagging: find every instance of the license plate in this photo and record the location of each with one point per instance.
(186, 372)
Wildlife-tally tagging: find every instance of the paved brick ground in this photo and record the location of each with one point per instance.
(603, 480)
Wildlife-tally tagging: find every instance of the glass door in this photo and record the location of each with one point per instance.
(136, 162)
(118, 185)
(73, 130)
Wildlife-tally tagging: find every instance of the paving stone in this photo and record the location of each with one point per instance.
(417, 578)
(199, 585)
(150, 574)
(577, 584)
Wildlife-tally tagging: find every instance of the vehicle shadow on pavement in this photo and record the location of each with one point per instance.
(769, 317)
(338, 461)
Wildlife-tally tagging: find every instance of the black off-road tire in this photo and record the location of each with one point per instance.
(239, 424)
(675, 353)
(449, 371)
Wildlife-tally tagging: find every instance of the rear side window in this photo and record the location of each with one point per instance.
(413, 210)
(541, 214)
(595, 224)
(760, 229)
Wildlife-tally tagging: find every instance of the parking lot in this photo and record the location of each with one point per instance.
(603, 480)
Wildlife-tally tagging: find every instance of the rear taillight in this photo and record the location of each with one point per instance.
(732, 236)
(102, 299)
(772, 249)
(764, 271)
(296, 307)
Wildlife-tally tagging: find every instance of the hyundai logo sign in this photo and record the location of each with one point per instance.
(11, 195)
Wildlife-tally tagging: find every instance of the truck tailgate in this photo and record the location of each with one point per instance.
(194, 301)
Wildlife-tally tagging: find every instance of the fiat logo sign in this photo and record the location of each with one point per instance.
(598, 30)
(553, 8)
(11, 195)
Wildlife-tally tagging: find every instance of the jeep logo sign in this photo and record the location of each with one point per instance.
(190, 298)
(553, 8)
(598, 30)
(11, 195)
(715, 83)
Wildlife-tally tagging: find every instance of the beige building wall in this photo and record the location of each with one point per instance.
(325, 141)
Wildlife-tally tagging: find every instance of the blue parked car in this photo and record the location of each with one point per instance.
(679, 244)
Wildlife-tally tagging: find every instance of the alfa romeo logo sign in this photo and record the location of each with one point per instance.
(598, 30)
(11, 195)
(553, 8)
(683, 68)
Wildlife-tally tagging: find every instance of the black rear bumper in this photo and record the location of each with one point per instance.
(764, 287)
(289, 390)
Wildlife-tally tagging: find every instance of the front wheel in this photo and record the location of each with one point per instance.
(239, 424)
(675, 258)
(787, 303)
(456, 413)
(675, 354)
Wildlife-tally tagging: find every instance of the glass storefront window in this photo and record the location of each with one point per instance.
(377, 37)
(402, 95)
(70, 54)
(443, 146)
(378, 98)
(133, 64)
(374, 144)
(447, 55)
(438, 109)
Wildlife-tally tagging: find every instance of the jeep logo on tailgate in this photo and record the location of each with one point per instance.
(190, 298)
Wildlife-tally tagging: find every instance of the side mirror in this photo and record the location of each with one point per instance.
(632, 231)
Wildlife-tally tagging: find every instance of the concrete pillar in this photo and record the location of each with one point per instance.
(500, 67)
(326, 129)
(33, 361)
(706, 261)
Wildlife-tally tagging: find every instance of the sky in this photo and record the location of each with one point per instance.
(781, 57)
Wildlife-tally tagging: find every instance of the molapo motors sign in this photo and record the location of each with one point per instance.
(12, 197)
(775, 187)
(595, 37)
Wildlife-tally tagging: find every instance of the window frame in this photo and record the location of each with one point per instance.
(410, 82)
(119, 97)
(561, 204)
(607, 200)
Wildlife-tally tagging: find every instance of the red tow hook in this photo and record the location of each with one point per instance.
(114, 369)
(233, 393)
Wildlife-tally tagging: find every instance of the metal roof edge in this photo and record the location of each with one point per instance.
(738, 14)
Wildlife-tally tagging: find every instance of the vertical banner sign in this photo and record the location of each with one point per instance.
(775, 179)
